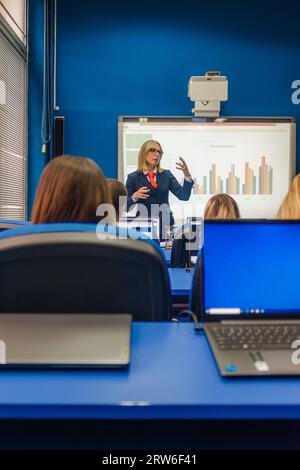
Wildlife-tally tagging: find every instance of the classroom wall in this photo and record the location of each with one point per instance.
(36, 159)
(135, 58)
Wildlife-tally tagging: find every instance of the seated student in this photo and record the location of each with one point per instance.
(290, 207)
(221, 206)
(70, 190)
(117, 190)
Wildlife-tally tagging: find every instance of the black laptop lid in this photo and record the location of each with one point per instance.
(251, 269)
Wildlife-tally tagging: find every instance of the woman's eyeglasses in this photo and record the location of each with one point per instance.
(160, 152)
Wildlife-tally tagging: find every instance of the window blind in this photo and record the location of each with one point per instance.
(13, 129)
(14, 12)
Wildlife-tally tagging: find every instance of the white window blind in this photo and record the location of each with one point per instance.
(14, 12)
(13, 127)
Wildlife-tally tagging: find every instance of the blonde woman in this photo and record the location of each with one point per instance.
(149, 185)
(221, 206)
(290, 207)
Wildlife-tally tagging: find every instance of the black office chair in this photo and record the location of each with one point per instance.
(185, 237)
(196, 297)
(77, 272)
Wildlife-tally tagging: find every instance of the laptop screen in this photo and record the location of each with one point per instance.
(251, 268)
(148, 227)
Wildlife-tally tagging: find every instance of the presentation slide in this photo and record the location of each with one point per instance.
(251, 161)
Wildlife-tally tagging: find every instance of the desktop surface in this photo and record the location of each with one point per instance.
(167, 255)
(172, 375)
(181, 281)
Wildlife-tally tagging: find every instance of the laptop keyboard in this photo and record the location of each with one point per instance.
(256, 336)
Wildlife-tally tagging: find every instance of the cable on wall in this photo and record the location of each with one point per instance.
(46, 118)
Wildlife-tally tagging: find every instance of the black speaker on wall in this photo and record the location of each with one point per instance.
(58, 136)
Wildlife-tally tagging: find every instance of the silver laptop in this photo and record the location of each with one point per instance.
(148, 227)
(64, 340)
(251, 296)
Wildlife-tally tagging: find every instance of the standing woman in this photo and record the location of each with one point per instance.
(150, 184)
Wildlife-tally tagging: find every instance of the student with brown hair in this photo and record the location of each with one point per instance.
(222, 206)
(290, 207)
(70, 190)
(117, 190)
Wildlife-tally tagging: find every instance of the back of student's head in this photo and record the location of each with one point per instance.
(117, 189)
(290, 207)
(222, 206)
(70, 190)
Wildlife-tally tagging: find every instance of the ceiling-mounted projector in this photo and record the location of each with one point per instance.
(207, 91)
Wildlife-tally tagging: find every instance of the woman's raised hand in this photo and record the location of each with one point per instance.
(183, 167)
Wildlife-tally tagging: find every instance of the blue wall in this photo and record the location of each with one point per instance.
(36, 159)
(135, 58)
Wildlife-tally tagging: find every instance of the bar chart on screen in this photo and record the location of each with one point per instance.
(251, 161)
(248, 183)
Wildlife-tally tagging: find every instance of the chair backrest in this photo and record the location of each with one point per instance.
(6, 224)
(196, 297)
(73, 272)
(187, 241)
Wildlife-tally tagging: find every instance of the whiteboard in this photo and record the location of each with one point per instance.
(250, 158)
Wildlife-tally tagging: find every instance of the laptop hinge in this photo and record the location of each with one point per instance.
(261, 322)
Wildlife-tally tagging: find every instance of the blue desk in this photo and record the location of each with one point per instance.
(172, 376)
(171, 397)
(181, 282)
(167, 255)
